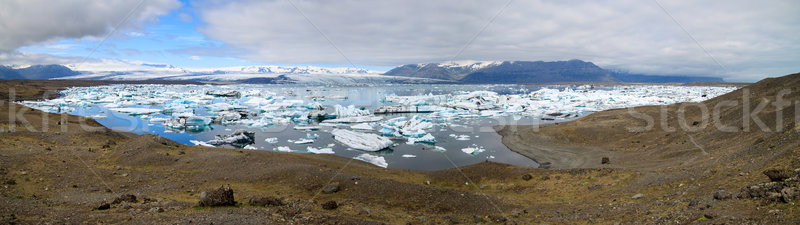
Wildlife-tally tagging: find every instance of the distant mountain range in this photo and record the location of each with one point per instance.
(36, 72)
(508, 72)
(470, 72)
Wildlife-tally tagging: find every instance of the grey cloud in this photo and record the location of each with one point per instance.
(750, 39)
(29, 22)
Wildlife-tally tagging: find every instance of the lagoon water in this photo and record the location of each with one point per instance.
(452, 133)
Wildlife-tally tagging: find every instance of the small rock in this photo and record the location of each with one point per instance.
(330, 188)
(124, 174)
(427, 182)
(483, 186)
(220, 197)
(722, 195)
(778, 175)
(103, 206)
(330, 205)
(694, 203)
(605, 160)
(265, 201)
(10, 182)
(527, 177)
(125, 198)
(497, 219)
(156, 210)
(126, 206)
(637, 196)
(788, 194)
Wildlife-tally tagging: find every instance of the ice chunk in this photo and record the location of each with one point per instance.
(357, 119)
(250, 147)
(428, 138)
(320, 150)
(271, 140)
(361, 126)
(409, 156)
(462, 137)
(361, 141)
(200, 143)
(238, 138)
(312, 136)
(306, 127)
(375, 160)
(349, 111)
(473, 150)
(304, 141)
(283, 149)
(136, 111)
(439, 149)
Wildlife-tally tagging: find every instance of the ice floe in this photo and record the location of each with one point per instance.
(361, 141)
(375, 160)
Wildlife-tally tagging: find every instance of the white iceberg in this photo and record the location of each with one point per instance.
(135, 111)
(271, 140)
(375, 160)
(200, 143)
(361, 141)
(428, 138)
(349, 111)
(361, 126)
(320, 150)
(356, 119)
(304, 141)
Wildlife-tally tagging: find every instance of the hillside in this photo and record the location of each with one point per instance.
(530, 72)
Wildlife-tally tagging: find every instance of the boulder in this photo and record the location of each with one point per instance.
(220, 197)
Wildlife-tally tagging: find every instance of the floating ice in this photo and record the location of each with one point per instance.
(282, 149)
(320, 150)
(304, 141)
(428, 138)
(361, 141)
(473, 150)
(238, 138)
(136, 111)
(357, 119)
(306, 127)
(361, 126)
(200, 143)
(375, 160)
(250, 147)
(439, 149)
(349, 111)
(409, 156)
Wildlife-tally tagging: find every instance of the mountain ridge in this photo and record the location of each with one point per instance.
(531, 72)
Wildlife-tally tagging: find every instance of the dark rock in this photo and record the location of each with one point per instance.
(125, 198)
(545, 165)
(694, 203)
(265, 201)
(778, 175)
(722, 195)
(478, 219)
(220, 197)
(330, 188)
(330, 205)
(10, 182)
(103, 206)
(527, 177)
(605, 160)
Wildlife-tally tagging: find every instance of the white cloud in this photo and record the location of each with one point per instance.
(194, 57)
(29, 22)
(749, 38)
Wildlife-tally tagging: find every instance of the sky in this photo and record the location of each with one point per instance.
(736, 40)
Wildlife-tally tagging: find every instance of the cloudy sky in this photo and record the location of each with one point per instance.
(736, 40)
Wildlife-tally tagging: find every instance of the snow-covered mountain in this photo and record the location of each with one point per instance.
(116, 70)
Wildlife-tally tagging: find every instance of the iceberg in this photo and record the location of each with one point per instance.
(200, 143)
(473, 150)
(349, 111)
(320, 150)
(356, 119)
(409, 156)
(428, 138)
(375, 160)
(361, 141)
(361, 126)
(283, 149)
(135, 111)
(304, 141)
(271, 140)
(238, 138)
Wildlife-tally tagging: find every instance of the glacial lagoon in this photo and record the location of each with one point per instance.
(419, 127)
